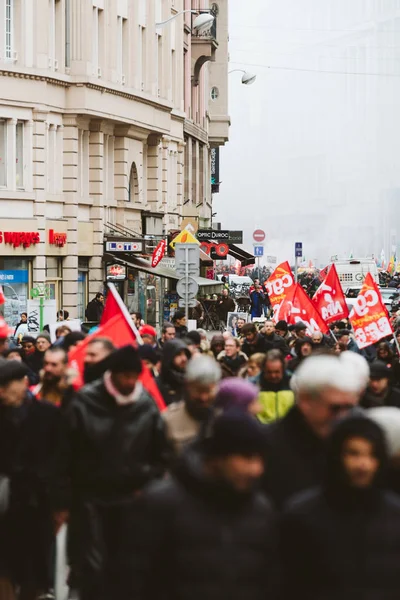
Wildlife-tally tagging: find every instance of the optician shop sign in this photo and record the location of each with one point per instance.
(18, 239)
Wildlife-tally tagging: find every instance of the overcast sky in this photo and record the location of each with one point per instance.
(314, 151)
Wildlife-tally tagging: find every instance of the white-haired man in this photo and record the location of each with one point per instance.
(184, 419)
(326, 389)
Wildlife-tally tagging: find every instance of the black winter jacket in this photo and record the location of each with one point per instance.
(342, 542)
(34, 456)
(295, 457)
(94, 310)
(261, 345)
(115, 450)
(197, 540)
(171, 381)
(278, 342)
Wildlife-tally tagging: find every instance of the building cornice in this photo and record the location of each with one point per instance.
(68, 81)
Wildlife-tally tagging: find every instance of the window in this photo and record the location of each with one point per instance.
(143, 57)
(9, 30)
(121, 48)
(97, 40)
(159, 63)
(108, 169)
(54, 32)
(83, 287)
(19, 155)
(133, 184)
(214, 93)
(3, 154)
(83, 163)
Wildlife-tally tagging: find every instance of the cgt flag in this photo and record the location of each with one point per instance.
(329, 299)
(2, 297)
(280, 285)
(369, 317)
(299, 308)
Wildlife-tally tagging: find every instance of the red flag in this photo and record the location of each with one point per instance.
(298, 307)
(111, 307)
(323, 273)
(329, 299)
(2, 297)
(158, 253)
(279, 285)
(122, 332)
(369, 317)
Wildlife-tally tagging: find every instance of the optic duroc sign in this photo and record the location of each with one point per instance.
(220, 235)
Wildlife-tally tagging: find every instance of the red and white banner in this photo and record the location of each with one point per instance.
(158, 253)
(329, 298)
(369, 317)
(279, 286)
(298, 308)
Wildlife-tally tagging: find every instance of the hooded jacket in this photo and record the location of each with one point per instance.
(171, 381)
(342, 543)
(211, 542)
(296, 362)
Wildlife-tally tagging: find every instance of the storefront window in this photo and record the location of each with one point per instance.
(83, 287)
(54, 279)
(14, 277)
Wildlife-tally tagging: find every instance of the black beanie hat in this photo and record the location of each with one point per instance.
(11, 370)
(235, 432)
(124, 360)
(281, 326)
(147, 352)
(378, 370)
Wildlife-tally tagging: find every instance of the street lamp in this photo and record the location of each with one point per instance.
(201, 23)
(247, 79)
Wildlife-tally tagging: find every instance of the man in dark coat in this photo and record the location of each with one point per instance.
(224, 306)
(342, 541)
(118, 446)
(326, 388)
(33, 459)
(170, 382)
(94, 309)
(380, 391)
(206, 533)
(276, 340)
(254, 341)
(179, 321)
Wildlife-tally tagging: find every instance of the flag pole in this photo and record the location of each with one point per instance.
(333, 335)
(397, 343)
(125, 312)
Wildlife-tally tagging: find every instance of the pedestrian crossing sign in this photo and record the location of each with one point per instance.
(184, 237)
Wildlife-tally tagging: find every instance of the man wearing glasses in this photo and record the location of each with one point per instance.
(327, 388)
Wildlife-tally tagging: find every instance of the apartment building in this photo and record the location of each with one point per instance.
(107, 121)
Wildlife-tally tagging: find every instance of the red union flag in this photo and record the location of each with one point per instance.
(369, 317)
(279, 286)
(329, 299)
(298, 308)
(158, 253)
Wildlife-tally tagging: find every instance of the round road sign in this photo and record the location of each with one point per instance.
(259, 235)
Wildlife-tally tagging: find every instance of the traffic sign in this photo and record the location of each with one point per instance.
(258, 250)
(298, 248)
(259, 235)
(184, 237)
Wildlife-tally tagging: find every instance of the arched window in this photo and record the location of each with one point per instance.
(133, 184)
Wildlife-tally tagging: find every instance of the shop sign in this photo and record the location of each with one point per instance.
(57, 239)
(158, 253)
(124, 246)
(116, 272)
(14, 276)
(220, 235)
(215, 182)
(20, 238)
(220, 250)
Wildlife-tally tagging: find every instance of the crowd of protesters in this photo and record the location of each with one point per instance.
(273, 471)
